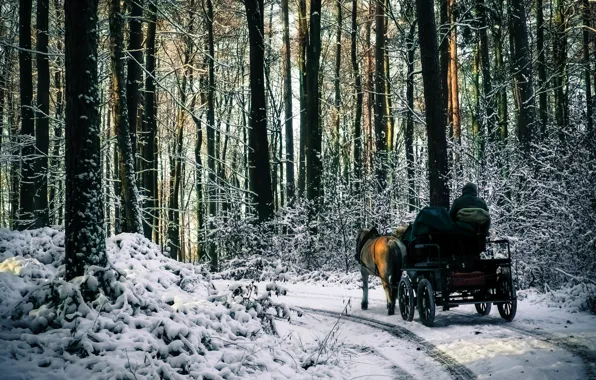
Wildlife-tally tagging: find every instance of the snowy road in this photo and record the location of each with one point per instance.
(541, 343)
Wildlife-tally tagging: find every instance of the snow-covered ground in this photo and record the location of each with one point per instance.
(541, 343)
(158, 318)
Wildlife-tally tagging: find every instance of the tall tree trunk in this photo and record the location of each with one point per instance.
(134, 77)
(444, 38)
(542, 100)
(290, 183)
(409, 129)
(26, 213)
(380, 93)
(488, 119)
(369, 89)
(359, 98)
(84, 235)
(336, 84)
(560, 77)
(258, 156)
(150, 223)
(56, 188)
(454, 112)
(502, 113)
(42, 131)
(587, 68)
(435, 113)
(523, 74)
(199, 169)
(303, 47)
(129, 193)
(314, 169)
(214, 262)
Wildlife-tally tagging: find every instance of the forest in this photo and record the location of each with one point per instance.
(227, 130)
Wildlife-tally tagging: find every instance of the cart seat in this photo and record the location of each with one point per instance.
(464, 279)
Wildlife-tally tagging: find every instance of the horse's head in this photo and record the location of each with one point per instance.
(400, 230)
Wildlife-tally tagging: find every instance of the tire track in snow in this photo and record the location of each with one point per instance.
(455, 369)
(587, 355)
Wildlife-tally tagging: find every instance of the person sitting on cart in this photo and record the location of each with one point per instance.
(471, 209)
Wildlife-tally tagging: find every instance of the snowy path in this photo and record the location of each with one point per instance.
(541, 343)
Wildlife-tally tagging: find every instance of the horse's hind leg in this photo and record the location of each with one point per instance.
(389, 296)
(364, 272)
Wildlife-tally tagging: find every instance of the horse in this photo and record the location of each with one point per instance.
(382, 257)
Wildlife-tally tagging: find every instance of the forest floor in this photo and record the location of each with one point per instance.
(541, 343)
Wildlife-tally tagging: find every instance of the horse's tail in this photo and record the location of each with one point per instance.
(398, 252)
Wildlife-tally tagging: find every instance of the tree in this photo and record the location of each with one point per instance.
(42, 130)
(409, 129)
(337, 87)
(487, 87)
(435, 113)
(381, 131)
(134, 77)
(314, 169)
(522, 67)
(128, 188)
(258, 156)
(150, 128)
(84, 235)
(560, 77)
(358, 92)
(211, 126)
(542, 100)
(290, 185)
(27, 194)
(587, 68)
(302, 49)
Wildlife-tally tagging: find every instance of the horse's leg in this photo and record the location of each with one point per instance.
(364, 272)
(389, 296)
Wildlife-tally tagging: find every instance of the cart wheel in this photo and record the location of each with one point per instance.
(507, 310)
(483, 308)
(426, 302)
(405, 296)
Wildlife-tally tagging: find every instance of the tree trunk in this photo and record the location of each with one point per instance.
(502, 114)
(150, 223)
(336, 85)
(258, 156)
(542, 100)
(488, 118)
(444, 37)
(380, 93)
(454, 112)
(214, 262)
(56, 188)
(129, 193)
(586, 51)
(359, 98)
(134, 77)
(199, 169)
(358, 94)
(290, 183)
(84, 235)
(560, 77)
(42, 130)
(26, 213)
(303, 47)
(314, 169)
(409, 130)
(435, 114)
(523, 74)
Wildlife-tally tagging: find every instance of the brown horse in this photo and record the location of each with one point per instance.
(380, 256)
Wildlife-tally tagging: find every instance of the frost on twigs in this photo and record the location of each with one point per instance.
(145, 316)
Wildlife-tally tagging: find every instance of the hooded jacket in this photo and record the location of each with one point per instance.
(468, 199)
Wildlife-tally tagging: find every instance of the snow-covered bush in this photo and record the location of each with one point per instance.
(146, 316)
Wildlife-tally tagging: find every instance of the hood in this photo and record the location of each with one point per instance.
(470, 189)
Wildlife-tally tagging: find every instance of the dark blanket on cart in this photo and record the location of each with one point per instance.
(433, 225)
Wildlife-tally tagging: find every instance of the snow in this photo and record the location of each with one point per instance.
(159, 318)
(542, 342)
